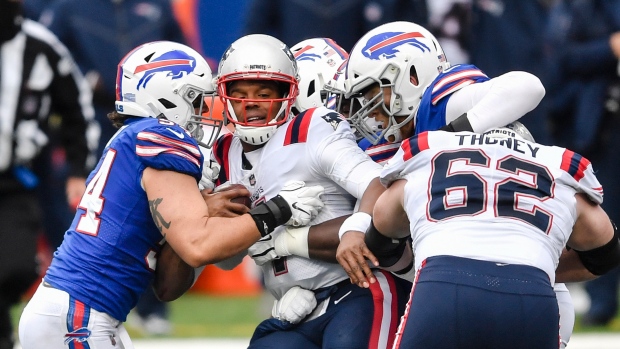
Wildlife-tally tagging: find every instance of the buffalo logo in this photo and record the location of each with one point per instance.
(174, 63)
(385, 45)
(302, 55)
(80, 335)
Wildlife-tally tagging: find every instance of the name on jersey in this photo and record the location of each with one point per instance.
(515, 144)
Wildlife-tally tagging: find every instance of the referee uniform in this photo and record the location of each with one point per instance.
(37, 77)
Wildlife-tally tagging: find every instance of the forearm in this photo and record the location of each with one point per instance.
(173, 277)
(571, 269)
(323, 240)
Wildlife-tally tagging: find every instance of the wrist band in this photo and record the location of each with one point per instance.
(293, 241)
(359, 221)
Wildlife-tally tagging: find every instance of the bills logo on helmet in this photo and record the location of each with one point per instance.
(80, 335)
(385, 45)
(302, 55)
(175, 63)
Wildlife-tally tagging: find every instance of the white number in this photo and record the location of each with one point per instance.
(92, 201)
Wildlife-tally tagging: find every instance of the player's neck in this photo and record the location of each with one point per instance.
(247, 147)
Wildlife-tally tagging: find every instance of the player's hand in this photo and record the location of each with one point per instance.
(263, 250)
(305, 202)
(352, 254)
(295, 305)
(220, 205)
(210, 171)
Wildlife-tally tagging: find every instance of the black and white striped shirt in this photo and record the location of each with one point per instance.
(38, 77)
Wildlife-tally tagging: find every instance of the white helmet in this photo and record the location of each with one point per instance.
(258, 57)
(318, 60)
(335, 89)
(167, 79)
(400, 55)
(514, 129)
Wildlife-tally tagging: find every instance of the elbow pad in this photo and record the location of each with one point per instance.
(388, 251)
(604, 258)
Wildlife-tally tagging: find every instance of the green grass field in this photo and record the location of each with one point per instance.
(196, 315)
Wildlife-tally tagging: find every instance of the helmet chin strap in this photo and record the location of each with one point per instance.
(393, 131)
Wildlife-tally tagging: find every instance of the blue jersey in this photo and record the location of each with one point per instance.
(380, 152)
(431, 115)
(107, 257)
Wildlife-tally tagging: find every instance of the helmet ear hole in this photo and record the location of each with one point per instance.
(413, 76)
(166, 103)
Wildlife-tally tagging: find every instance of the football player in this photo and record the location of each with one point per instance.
(316, 305)
(488, 232)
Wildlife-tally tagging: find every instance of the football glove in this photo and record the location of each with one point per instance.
(305, 202)
(210, 171)
(282, 242)
(295, 305)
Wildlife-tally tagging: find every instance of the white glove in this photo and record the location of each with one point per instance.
(210, 171)
(295, 305)
(263, 250)
(282, 242)
(305, 202)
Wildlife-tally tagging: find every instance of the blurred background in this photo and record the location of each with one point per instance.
(573, 46)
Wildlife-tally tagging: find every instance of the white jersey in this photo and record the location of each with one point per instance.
(515, 200)
(319, 148)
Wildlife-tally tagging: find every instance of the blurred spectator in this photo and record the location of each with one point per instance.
(584, 46)
(37, 76)
(345, 21)
(507, 35)
(99, 33)
(450, 22)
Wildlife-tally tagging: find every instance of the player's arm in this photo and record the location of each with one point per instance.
(594, 243)
(182, 216)
(338, 157)
(389, 224)
(173, 277)
(494, 103)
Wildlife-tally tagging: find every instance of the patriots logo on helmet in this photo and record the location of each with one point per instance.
(80, 335)
(302, 55)
(385, 45)
(176, 63)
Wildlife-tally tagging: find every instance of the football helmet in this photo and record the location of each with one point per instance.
(402, 56)
(318, 60)
(258, 57)
(514, 129)
(164, 79)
